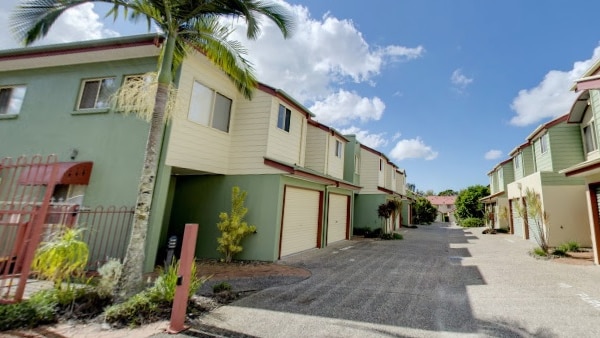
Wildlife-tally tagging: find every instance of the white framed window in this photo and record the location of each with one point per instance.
(544, 143)
(518, 161)
(209, 108)
(338, 149)
(589, 137)
(283, 118)
(356, 164)
(380, 165)
(11, 99)
(95, 93)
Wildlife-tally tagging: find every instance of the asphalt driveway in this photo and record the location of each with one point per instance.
(438, 281)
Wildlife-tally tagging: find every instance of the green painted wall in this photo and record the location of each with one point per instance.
(47, 125)
(365, 210)
(567, 146)
(200, 199)
(406, 212)
(508, 174)
(552, 178)
(542, 162)
(528, 161)
(351, 150)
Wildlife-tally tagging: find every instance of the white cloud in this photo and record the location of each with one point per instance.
(320, 55)
(374, 141)
(551, 97)
(460, 80)
(493, 154)
(412, 148)
(76, 24)
(343, 107)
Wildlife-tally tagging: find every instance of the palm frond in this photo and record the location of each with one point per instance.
(211, 38)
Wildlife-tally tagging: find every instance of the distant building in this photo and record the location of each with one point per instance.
(445, 207)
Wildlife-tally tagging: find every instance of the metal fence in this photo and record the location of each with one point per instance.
(106, 230)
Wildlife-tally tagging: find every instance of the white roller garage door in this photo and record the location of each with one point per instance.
(300, 224)
(337, 218)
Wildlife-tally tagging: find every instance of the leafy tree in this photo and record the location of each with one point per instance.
(468, 204)
(423, 211)
(448, 192)
(186, 25)
(233, 227)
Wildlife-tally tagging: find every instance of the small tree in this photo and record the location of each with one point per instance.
(423, 211)
(384, 212)
(233, 227)
(531, 209)
(63, 257)
(468, 203)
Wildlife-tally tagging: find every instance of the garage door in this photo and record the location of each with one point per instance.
(300, 224)
(337, 218)
(517, 220)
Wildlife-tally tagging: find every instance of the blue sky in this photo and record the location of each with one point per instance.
(445, 88)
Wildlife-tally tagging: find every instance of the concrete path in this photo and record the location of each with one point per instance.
(440, 281)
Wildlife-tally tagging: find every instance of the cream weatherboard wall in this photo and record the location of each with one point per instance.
(250, 135)
(317, 148)
(369, 172)
(569, 222)
(335, 164)
(287, 146)
(193, 145)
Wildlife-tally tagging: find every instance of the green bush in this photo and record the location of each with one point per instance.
(472, 222)
(39, 309)
(386, 236)
(398, 236)
(502, 230)
(570, 246)
(220, 287)
(559, 252)
(540, 252)
(154, 303)
(361, 231)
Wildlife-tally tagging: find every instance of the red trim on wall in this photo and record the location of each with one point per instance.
(595, 218)
(273, 92)
(582, 169)
(78, 49)
(320, 224)
(282, 218)
(279, 166)
(348, 205)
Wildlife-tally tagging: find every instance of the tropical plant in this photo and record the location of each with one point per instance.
(530, 208)
(384, 212)
(186, 25)
(110, 273)
(233, 227)
(62, 258)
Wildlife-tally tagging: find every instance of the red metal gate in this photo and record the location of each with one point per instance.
(26, 188)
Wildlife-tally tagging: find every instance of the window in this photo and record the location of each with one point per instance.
(544, 143)
(95, 94)
(589, 137)
(518, 161)
(209, 108)
(380, 164)
(11, 99)
(356, 164)
(283, 118)
(338, 149)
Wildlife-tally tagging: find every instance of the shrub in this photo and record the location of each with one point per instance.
(220, 287)
(63, 257)
(540, 252)
(398, 236)
(570, 246)
(471, 222)
(386, 236)
(559, 252)
(154, 303)
(233, 227)
(109, 272)
(502, 230)
(361, 231)
(373, 234)
(39, 309)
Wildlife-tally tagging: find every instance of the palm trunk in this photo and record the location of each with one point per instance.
(131, 280)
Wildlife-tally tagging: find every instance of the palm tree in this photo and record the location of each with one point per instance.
(185, 25)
